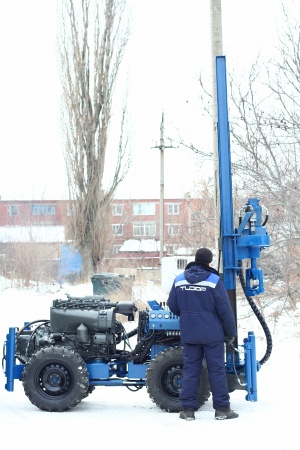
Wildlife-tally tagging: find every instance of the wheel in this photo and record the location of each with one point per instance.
(164, 376)
(89, 391)
(55, 379)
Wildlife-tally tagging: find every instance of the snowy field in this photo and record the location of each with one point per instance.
(116, 417)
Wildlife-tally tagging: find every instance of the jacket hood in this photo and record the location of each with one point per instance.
(195, 272)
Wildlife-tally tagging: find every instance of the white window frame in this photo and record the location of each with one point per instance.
(173, 229)
(173, 209)
(117, 209)
(43, 210)
(116, 249)
(144, 209)
(144, 229)
(12, 210)
(117, 229)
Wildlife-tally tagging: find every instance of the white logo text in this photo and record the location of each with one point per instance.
(193, 288)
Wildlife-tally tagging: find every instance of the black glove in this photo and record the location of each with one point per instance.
(229, 339)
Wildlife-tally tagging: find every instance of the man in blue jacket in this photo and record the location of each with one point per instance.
(198, 296)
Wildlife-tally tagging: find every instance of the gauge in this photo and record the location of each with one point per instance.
(159, 316)
(152, 316)
(167, 316)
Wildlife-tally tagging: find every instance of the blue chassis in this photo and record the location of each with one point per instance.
(120, 373)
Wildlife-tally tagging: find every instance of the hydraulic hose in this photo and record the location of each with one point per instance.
(259, 317)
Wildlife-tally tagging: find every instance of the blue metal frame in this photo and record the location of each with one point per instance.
(225, 182)
(246, 241)
(12, 370)
(250, 237)
(120, 373)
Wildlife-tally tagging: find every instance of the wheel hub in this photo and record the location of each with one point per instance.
(172, 380)
(54, 380)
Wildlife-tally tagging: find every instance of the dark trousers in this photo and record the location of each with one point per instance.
(192, 364)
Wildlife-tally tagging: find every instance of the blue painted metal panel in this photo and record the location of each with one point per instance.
(70, 263)
(163, 320)
(225, 181)
(154, 304)
(10, 359)
(102, 371)
(137, 370)
(251, 367)
(98, 370)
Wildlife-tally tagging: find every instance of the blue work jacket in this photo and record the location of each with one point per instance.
(198, 296)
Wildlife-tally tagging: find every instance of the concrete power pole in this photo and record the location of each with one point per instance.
(162, 187)
(216, 50)
(162, 147)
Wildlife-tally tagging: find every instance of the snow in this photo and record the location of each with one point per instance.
(115, 416)
(45, 233)
(143, 245)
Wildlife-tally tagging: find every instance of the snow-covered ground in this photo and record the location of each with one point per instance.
(116, 417)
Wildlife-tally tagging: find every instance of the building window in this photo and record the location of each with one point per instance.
(144, 209)
(12, 210)
(117, 229)
(170, 250)
(144, 229)
(181, 263)
(117, 210)
(43, 210)
(116, 249)
(173, 208)
(173, 229)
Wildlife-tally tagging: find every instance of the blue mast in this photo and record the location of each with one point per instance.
(225, 181)
(244, 242)
(250, 237)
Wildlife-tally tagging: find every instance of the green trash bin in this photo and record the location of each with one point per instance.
(107, 282)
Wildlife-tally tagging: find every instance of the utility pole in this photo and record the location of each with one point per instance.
(162, 147)
(162, 188)
(216, 50)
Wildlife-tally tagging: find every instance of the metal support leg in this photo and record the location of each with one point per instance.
(10, 359)
(251, 367)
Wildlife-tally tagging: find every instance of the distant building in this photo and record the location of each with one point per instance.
(135, 226)
(136, 229)
(32, 212)
(31, 236)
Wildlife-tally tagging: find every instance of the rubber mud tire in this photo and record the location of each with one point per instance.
(163, 380)
(55, 379)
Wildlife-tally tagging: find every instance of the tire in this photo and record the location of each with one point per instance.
(55, 379)
(164, 376)
(89, 391)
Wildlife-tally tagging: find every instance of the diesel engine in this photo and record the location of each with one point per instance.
(90, 327)
(87, 325)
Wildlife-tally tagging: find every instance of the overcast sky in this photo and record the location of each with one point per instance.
(169, 47)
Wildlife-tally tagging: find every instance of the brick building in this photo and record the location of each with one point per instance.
(135, 225)
(31, 235)
(34, 212)
(136, 228)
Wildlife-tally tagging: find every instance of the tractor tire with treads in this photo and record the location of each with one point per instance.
(164, 376)
(55, 379)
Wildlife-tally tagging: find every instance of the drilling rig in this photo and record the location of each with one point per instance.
(61, 360)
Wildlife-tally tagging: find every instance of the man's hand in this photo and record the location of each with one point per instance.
(229, 339)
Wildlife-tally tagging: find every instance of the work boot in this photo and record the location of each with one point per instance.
(223, 414)
(187, 414)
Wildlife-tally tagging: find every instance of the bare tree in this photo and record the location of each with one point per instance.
(265, 130)
(198, 230)
(265, 136)
(93, 39)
